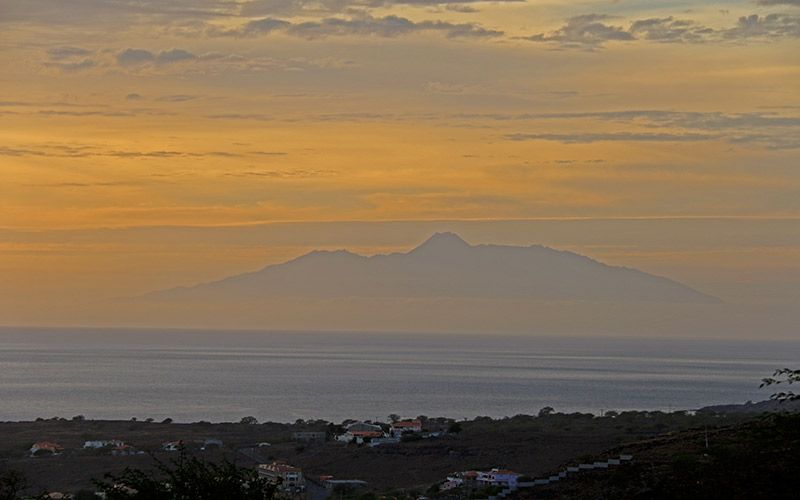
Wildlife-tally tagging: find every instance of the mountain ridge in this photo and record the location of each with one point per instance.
(444, 265)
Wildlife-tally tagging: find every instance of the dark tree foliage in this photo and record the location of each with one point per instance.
(547, 410)
(11, 485)
(783, 376)
(188, 478)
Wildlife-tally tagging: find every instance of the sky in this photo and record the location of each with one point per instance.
(148, 144)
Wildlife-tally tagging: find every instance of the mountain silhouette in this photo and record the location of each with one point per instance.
(444, 266)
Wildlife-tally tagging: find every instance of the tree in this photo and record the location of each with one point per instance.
(11, 485)
(394, 417)
(188, 478)
(454, 428)
(783, 376)
(248, 420)
(547, 410)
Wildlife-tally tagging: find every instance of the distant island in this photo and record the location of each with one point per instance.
(446, 285)
(445, 266)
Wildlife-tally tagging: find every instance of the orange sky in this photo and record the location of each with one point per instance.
(119, 118)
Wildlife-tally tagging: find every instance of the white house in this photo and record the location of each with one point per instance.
(361, 432)
(290, 478)
(498, 477)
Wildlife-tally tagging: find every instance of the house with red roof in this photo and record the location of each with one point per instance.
(288, 476)
(44, 447)
(401, 427)
(361, 432)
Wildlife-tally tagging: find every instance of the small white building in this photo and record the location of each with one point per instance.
(172, 445)
(498, 477)
(291, 478)
(103, 443)
(380, 441)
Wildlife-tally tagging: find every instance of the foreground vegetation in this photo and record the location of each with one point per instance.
(759, 459)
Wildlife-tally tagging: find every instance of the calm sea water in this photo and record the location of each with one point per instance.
(223, 376)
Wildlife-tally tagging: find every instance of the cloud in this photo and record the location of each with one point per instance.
(669, 29)
(579, 138)
(389, 26)
(363, 25)
(85, 12)
(294, 7)
(178, 98)
(262, 26)
(777, 132)
(81, 184)
(796, 3)
(768, 141)
(133, 57)
(460, 7)
(174, 55)
(283, 174)
(85, 151)
(655, 118)
(71, 66)
(240, 116)
(684, 119)
(56, 112)
(587, 31)
(769, 26)
(268, 153)
(7, 151)
(591, 31)
(69, 59)
(59, 53)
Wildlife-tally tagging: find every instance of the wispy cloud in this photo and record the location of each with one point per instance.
(796, 3)
(362, 25)
(132, 56)
(585, 31)
(283, 174)
(592, 31)
(585, 138)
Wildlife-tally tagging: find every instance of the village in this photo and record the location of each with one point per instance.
(397, 458)
(294, 483)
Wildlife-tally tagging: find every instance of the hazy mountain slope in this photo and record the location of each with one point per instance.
(444, 266)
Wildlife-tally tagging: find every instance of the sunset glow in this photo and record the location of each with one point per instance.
(127, 124)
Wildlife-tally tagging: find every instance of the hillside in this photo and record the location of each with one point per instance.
(755, 459)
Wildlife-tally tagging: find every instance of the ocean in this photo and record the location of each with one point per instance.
(283, 376)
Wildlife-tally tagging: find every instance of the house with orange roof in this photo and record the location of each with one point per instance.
(401, 427)
(44, 447)
(361, 432)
